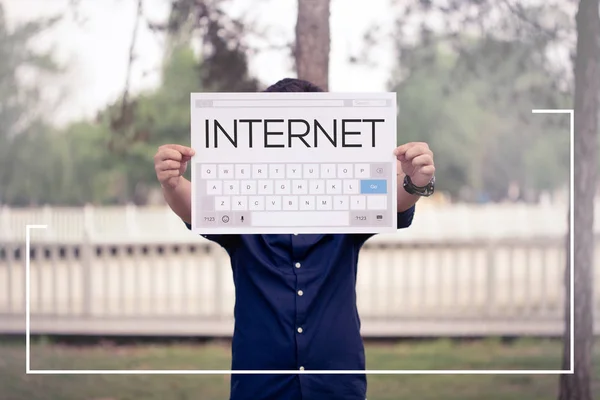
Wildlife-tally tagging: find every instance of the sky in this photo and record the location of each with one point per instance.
(93, 45)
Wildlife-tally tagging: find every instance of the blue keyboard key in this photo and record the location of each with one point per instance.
(373, 186)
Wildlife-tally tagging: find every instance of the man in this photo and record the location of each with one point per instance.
(295, 294)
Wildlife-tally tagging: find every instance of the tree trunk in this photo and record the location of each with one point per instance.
(578, 385)
(312, 42)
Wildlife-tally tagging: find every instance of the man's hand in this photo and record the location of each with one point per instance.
(416, 161)
(170, 163)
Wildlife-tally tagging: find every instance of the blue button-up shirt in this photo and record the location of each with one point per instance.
(296, 309)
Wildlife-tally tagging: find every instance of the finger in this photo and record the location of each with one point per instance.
(422, 160)
(167, 165)
(427, 170)
(169, 154)
(183, 150)
(182, 168)
(401, 150)
(165, 175)
(416, 151)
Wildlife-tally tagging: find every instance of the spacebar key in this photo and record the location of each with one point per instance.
(300, 218)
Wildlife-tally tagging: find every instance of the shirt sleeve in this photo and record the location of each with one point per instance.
(226, 241)
(405, 219)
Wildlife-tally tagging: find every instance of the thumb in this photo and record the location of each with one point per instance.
(188, 152)
(184, 150)
(183, 167)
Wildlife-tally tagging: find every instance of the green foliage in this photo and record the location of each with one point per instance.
(118, 166)
(24, 163)
(470, 98)
(474, 109)
(109, 160)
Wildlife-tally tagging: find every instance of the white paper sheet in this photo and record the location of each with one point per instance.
(271, 163)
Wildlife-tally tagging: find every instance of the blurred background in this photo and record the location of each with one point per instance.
(90, 89)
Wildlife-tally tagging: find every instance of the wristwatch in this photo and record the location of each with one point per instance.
(424, 191)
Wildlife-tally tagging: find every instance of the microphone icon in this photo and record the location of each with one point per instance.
(242, 218)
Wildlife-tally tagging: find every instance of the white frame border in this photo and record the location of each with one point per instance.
(372, 372)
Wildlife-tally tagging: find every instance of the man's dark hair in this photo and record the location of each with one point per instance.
(293, 85)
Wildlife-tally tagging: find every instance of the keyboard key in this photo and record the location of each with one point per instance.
(358, 202)
(248, 187)
(373, 186)
(378, 217)
(265, 187)
(242, 218)
(207, 203)
(341, 202)
(380, 170)
(283, 187)
(243, 171)
(208, 171)
(351, 186)
(226, 171)
(376, 202)
(259, 171)
(362, 171)
(231, 187)
(290, 203)
(316, 187)
(345, 171)
(222, 203)
(256, 203)
(224, 218)
(307, 203)
(273, 203)
(294, 171)
(334, 186)
(360, 218)
(324, 203)
(277, 171)
(301, 218)
(214, 187)
(328, 171)
(208, 219)
(239, 203)
(300, 187)
(311, 171)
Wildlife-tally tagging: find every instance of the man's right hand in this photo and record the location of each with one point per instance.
(170, 163)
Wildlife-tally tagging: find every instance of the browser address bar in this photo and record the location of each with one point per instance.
(278, 103)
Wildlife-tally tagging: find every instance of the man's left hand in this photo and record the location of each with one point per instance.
(416, 161)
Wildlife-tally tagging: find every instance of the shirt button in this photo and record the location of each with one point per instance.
(300, 330)
(298, 265)
(300, 292)
(301, 368)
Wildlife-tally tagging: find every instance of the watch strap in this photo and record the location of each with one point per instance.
(424, 191)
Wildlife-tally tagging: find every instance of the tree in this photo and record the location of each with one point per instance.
(222, 64)
(459, 112)
(22, 122)
(498, 65)
(311, 51)
(551, 26)
(141, 123)
(587, 89)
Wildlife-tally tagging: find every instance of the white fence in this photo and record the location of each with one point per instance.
(159, 224)
(138, 271)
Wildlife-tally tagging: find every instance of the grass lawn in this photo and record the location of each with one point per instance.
(443, 354)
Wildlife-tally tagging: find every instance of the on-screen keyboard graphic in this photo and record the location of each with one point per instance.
(301, 195)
